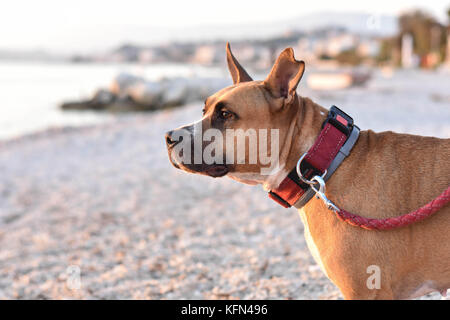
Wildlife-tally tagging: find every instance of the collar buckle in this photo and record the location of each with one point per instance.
(339, 119)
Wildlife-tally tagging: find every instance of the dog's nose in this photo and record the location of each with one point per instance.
(169, 141)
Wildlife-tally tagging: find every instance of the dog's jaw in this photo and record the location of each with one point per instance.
(274, 180)
(268, 182)
(246, 178)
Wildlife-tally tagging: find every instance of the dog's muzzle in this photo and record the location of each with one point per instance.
(213, 170)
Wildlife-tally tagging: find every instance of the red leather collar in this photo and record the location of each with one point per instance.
(335, 132)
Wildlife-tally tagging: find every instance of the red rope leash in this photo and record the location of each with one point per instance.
(396, 222)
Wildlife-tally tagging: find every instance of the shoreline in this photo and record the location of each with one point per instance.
(114, 119)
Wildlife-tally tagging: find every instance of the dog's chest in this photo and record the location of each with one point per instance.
(310, 242)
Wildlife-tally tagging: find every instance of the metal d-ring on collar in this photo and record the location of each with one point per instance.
(300, 175)
(316, 180)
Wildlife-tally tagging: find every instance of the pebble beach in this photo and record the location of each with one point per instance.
(105, 200)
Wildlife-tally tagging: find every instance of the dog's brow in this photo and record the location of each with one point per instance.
(220, 105)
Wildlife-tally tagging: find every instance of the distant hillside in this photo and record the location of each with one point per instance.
(144, 36)
(360, 23)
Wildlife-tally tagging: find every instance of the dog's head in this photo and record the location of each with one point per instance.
(245, 127)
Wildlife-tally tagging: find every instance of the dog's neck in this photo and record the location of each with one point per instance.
(304, 127)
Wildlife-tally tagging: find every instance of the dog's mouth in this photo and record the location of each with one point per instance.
(216, 170)
(212, 170)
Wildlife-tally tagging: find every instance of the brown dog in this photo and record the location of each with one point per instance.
(386, 175)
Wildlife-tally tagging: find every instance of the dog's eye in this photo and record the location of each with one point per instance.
(224, 114)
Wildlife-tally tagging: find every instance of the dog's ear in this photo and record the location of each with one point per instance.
(285, 75)
(237, 72)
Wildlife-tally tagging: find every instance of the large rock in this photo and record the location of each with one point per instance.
(128, 92)
(146, 93)
(176, 92)
(120, 84)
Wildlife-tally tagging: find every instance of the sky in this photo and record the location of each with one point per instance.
(94, 25)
